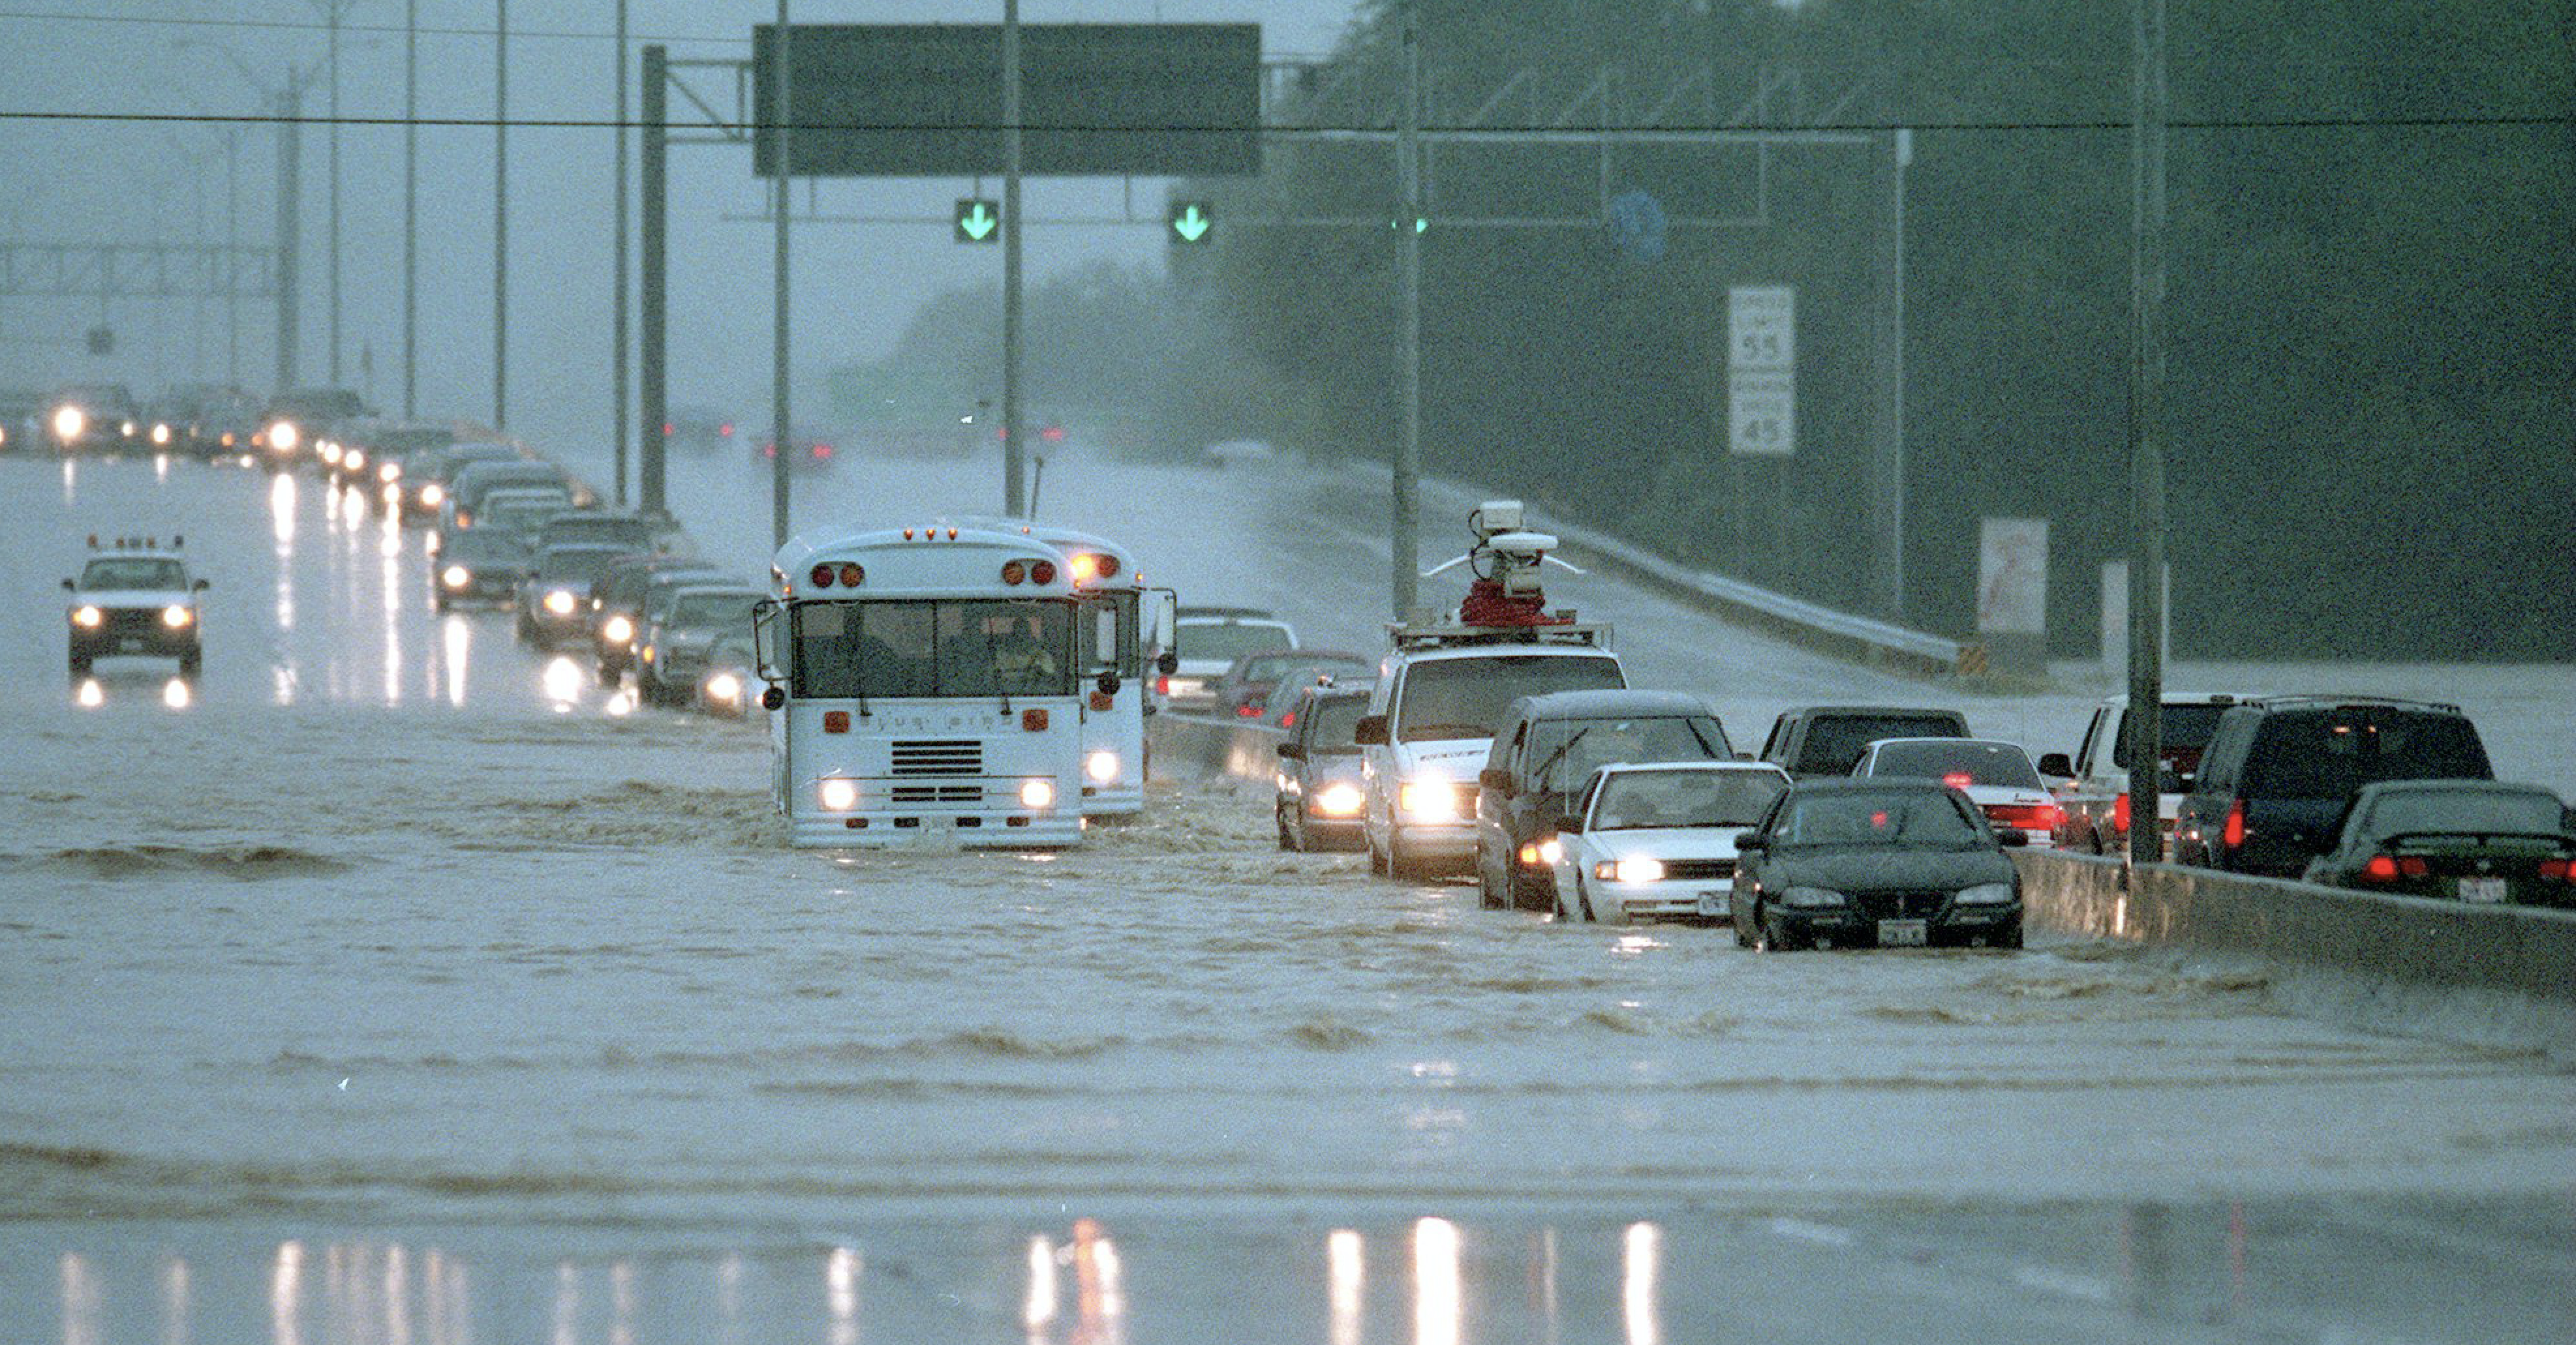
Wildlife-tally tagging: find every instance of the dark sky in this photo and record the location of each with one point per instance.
(854, 286)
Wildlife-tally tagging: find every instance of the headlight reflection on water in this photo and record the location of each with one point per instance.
(563, 681)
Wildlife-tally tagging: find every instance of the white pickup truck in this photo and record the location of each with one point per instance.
(2093, 788)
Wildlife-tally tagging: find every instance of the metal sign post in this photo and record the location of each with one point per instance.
(1014, 447)
(2146, 436)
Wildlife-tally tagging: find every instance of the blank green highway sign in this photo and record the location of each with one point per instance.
(1191, 221)
(978, 221)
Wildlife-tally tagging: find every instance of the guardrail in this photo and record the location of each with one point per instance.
(2410, 963)
(1843, 634)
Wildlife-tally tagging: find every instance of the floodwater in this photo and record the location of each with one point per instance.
(396, 983)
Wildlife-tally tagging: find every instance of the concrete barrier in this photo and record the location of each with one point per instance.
(2446, 968)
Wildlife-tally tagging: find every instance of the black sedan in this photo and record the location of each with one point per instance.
(1887, 862)
(2474, 840)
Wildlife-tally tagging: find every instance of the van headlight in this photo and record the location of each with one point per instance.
(432, 495)
(617, 630)
(837, 796)
(283, 436)
(1339, 799)
(1986, 894)
(1428, 800)
(177, 617)
(456, 576)
(70, 423)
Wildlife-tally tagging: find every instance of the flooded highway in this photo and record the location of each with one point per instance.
(394, 982)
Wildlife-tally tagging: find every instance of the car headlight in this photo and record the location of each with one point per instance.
(88, 618)
(354, 460)
(724, 688)
(1542, 853)
(389, 471)
(329, 451)
(160, 433)
(1340, 799)
(559, 602)
(283, 436)
(70, 422)
(617, 630)
(1633, 869)
(127, 429)
(1986, 894)
(1810, 897)
(432, 495)
(177, 617)
(456, 576)
(1428, 800)
(1101, 767)
(1037, 794)
(838, 796)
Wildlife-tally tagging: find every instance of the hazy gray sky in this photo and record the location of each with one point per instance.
(854, 286)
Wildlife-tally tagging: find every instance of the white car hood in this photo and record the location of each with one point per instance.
(1666, 842)
(133, 597)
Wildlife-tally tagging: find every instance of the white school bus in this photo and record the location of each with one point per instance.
(926, 687)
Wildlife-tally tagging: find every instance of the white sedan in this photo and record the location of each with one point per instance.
(1656, 840)
(1996, 776)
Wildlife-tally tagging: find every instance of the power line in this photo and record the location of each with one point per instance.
(309, 26)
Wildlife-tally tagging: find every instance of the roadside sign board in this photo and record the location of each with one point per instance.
(2012, 577)
(1098, 99)
(1761, 365)
(1762, 327)
(1761, 415)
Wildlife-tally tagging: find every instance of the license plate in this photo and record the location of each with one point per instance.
(1904, 933)
(1712, 903)
(2482, 889)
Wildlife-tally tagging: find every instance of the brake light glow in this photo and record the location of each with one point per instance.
(1162, 686)
(1958, 779)
(1247, 710)
(2120, 813)
(2027, 816)
(2381, 867)
(2388, 867)
(2234, 833)
(2558, 870)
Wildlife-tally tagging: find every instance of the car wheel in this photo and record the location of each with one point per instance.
(1525, 893)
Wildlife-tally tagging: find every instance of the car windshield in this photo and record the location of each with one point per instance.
(1911, 819)
(114, 572)
(1632, 800)
(1332, 720)
(2460, 811)
(1563, 753)
(1228, 640)
(1959, 762)
(485, 544)
(2327, 754)
(1834, 742)
(583, 564)
(1466, 697)
(966, 647)
(712, 609)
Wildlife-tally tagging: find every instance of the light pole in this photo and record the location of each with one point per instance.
(617, 308)
(331, 11)
(501, 216)
(411, 210)
(287, 100)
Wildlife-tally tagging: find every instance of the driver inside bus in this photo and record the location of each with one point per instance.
(1020, 659)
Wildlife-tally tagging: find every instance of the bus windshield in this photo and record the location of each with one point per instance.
(944, 647)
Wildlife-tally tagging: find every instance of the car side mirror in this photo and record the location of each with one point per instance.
(1750, 842)
(2057, 764)
(70, 587)
(1108, 683)
(1292, 752)
(1496, 780)
(1167, 663)
(1570, 824)
(2013, 838)
(774, 697)
(203, 584)
(1371, 731)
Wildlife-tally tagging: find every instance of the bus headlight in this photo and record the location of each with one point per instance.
(88, 618)
(1101, 766)
(1428, 801)
(177, 617)
(70, 423)
(1037, 794)
(456, 576)
(559, 602)
(838, 796)
(1339, 799)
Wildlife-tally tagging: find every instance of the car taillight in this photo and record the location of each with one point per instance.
(2120, 813)
(2028, 816)
(2388, 867)
(1958, 779)
(1247, 710)
(2558, 870)
(1289, 721)
(2233, 834)
(2381, 867)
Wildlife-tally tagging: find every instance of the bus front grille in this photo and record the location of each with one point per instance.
(938, 756)
(917, 794)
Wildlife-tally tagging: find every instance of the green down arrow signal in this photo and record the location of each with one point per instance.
(976, 221)
(1191, 221)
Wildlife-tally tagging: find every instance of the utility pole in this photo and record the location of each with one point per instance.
(411, 203)
(1406, 504)
(501, 215)
(617, 308)
(232, 256)
(780, 444)
(333, 9)
(1891, 455)
(653, 205)
(290, 239)
(1014, 444)
(2146, 438)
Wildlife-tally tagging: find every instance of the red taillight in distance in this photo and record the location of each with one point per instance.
(2388, 868)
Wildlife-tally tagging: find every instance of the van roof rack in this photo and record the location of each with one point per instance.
(1452, 634)
(2304, 698)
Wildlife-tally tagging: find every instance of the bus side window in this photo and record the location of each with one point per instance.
(765, 616)
(1104, 637)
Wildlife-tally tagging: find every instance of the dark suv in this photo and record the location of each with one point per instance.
(2280, 770)
(1822, 740)
(1544, 749)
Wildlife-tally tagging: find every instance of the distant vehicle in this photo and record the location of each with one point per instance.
(1825, 740)
(697, 427)
(807, 450)
(2095, 792)
(1885, 863)
(1996, 776)
(1657, 840)
(636, 531)
(1281, 710)
(524, 510)
(426, 476)
(2280, 770)
(466, 491)
(1246, 688)
(206, 420)
(94, 418)
(399, 447)
(1237, 453)
(134, 597)
(293, 424)
(1543, 749)
(1206, 641)
(680, 636)
(617, 605)
(1320, 784)
(22, 413)
(730, 683)
(484, 565)
(652, 602)
(2474, 840)
(555, 596)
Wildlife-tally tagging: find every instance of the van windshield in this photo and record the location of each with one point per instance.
(1466, 697)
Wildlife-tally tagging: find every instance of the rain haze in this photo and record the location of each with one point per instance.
(1068, 844)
